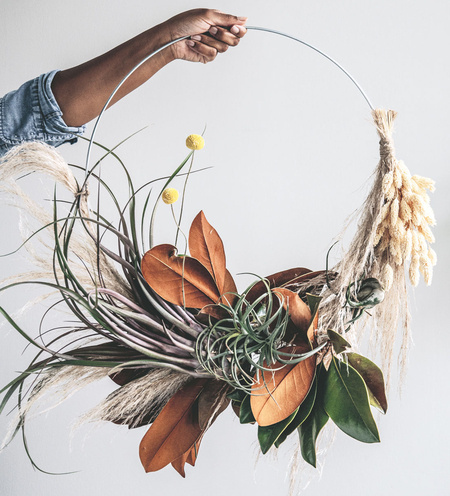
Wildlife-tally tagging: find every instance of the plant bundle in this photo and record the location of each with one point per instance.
(174, 333)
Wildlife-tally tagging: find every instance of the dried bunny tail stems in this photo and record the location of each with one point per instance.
(41, 158)
(369, 253)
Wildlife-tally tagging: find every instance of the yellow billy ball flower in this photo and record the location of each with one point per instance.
(195, 142)
(170, 195)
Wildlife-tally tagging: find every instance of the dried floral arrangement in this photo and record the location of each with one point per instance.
(174, 333)
(178, 338)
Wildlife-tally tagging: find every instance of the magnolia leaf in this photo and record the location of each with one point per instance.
(346, 401)
(339, 343)
(268, 435)
(245, 411)
(302, 413)
(278, 392)
(212, 402)
(182, 281)
(189, 457)
(206, 246)
(174, 431)
(373, 377)
(236, 407)
(229, 293)
(298, 311)
(180, 462)
(309, 431)
(275, 280)
(192, 457)
(313, 303)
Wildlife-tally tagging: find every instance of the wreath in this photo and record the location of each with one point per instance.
(172, 330)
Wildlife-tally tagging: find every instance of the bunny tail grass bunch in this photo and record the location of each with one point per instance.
(170, 327)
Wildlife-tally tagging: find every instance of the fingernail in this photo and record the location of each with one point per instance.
(235, 30)
(213, 30)
(196, 37)
(242, 18)
(190, 43)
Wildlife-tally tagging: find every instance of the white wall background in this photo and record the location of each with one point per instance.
(293, 147)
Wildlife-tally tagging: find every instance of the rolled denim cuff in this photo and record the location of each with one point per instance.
(31, 113)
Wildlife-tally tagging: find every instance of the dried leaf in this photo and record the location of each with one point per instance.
(174, 431)
(206, 246)
(192, 457)
(298, 310)
(182, 281)
(180, 462)
(212, 402)
(276, 280)
(277, 394)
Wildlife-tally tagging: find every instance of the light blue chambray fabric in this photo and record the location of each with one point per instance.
(31, 113)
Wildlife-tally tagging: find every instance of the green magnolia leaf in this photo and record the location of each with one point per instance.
(309, 432)
(267, 435)
(339, 343)
(237, 395)
(302, 413)
(245, 412)
(373, 377)
(346, 401)
(313, 302)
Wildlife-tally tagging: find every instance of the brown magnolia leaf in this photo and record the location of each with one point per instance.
(206, 246)
(299, 311)
(212, 402)
(180, 462)
(174, 431)
(182, 281)
(228, 296)
(276, 280)
(192, 456)
(278, 392)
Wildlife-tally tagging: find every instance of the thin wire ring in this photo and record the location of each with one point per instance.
(254, 28)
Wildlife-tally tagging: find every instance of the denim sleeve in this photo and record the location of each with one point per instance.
(31, 113)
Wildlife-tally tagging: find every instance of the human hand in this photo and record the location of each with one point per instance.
(211, 31)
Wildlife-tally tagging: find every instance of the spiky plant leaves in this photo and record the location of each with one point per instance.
(309, 431)
(174, 431)
(346, 401)
(206, 246)
(373, 377)
(245, 411)
(268, 435)
(179, 280)
(280, 390)
(339, 343)
(302, 414)
(298, 310)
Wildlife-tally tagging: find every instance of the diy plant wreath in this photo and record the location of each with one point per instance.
(182, 342)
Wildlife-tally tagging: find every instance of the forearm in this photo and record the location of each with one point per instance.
(82, 91)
